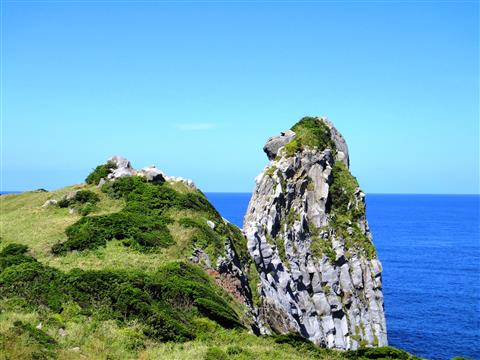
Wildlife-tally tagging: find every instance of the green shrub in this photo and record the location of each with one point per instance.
(385, 352)
(91, 232)
(83, 199)
(86, 196)
(6, 261)
(121, 187)
(166, 303)
(101, 171)
(142, 222)
(64, 202)
(13, 249)
(310, 132)
(299, 342)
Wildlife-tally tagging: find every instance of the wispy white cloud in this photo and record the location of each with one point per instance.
(195, 126)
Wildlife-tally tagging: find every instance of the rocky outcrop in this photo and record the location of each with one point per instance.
(122, 167)
(309, 237)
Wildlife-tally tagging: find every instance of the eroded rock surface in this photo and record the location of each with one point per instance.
(309, 237)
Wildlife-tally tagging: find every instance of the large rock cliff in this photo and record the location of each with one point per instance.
(309, 237)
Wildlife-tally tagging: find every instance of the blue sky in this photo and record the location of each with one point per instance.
(197, 88)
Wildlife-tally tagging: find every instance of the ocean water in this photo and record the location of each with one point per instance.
(429, 246)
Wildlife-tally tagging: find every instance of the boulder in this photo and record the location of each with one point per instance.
(123, 167)
(276, 142)
(50, 202)
(151, 173)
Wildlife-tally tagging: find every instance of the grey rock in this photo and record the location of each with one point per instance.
(151, 173)
(340, 143)
(211, 224)
(71, 195)
(101, 182)
(275, 143)
(123, 167)
(304, 291)
(201, 257)
(50, 202)
(120, 162)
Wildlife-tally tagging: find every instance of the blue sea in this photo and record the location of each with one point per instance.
(429, 246)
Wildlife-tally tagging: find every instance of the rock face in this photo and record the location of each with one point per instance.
(309, 237)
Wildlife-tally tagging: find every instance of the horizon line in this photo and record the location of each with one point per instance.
(250, 192)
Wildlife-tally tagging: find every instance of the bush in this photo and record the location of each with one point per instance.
(14, 254)
(86, 196)
(385, 352)
(158, 301)
(91, 232)
(142, 222)
(300, 343)
(14, 249)
(81, 197)
(101, 171)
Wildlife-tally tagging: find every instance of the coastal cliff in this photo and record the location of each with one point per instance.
(309, 237)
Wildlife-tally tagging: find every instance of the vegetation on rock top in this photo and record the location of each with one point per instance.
(310, 132)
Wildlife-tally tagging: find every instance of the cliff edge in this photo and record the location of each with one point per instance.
(309, 237)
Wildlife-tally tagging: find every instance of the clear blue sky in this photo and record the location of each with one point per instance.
(197, 89)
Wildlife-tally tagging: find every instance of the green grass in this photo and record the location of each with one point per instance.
(24, 221)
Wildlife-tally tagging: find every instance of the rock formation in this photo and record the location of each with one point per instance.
(308, 235)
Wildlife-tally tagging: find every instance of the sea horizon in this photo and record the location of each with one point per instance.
(250, 192)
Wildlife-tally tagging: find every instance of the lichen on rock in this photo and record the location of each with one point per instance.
(308, 235)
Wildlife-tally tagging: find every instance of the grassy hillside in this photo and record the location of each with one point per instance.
(111, 279)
